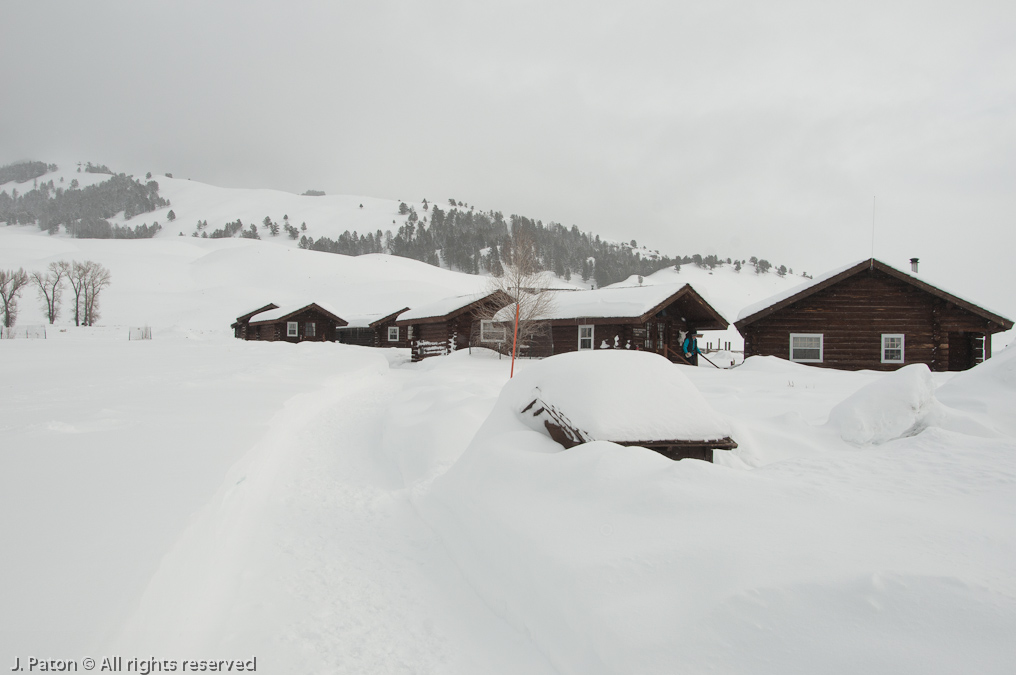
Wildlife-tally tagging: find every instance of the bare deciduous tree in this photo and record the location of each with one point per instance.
(87, 280)
(11, 284)
(526, 285)
(98, 278)
(78, 276)
(50, 287)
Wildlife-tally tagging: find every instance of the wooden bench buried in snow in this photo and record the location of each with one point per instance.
(627, 398)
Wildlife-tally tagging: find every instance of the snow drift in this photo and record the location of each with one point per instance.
(888, 408)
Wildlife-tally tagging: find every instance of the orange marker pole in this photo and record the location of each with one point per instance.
(515, 339)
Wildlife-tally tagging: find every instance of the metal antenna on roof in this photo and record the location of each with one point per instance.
(871, 261)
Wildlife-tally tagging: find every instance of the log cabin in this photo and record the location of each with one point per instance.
(654, 318)
(869, 315)
(289, 324)
(447, 325)
(375, 330)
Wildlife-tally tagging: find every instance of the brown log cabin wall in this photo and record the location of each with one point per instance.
(361, 336)
(381, 336)
(444, 337)
(565, 338)
(324, 329)
(853, 315)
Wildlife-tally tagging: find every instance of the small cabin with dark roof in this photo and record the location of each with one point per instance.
(447, 325)
(289, 324)
(654, 318)
(869, 315)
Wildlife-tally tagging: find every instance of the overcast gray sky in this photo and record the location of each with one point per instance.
(738, 128)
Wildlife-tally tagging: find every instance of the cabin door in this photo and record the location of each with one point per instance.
(966, 350)
(657, 336)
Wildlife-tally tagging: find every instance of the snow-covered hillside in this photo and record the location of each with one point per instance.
(263, 271)
(193, 283)
(205, 284)
(191, 201)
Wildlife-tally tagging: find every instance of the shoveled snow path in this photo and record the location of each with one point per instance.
(313, 559)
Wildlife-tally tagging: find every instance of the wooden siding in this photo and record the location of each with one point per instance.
(381, 335)
(361, 335)
(445, 337)
(642, 337)
(273, 331)
(852, 316)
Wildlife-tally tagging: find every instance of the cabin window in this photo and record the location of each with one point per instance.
(892, 348)
(308, 329)
(806, 347)
(292, 328)
(393, 333)
(492, 333)
(409, 333)
(585, 337)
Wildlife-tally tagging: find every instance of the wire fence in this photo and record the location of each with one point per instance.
(140, 333)
(23, 333)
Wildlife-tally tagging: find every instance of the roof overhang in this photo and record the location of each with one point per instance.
(246, 317)
(339, 321)
(380, 322)
(695, 310)
(1001, 322)
(495, 297)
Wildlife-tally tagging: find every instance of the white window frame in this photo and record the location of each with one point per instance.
(393, 333)
(292, 329)
(902, 347)
(821, 347)
(491, 333)
(591, 337)
(309, 329)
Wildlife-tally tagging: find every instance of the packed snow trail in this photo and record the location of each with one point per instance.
(312, 558)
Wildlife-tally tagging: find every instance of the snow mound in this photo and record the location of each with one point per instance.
(889, 408)
(617, 396)
(773, 364)
(998, 371)
(987, 391)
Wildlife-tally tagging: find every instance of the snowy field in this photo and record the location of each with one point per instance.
(328, 509)
(335, 509)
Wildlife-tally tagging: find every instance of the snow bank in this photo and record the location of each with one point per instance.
(986, 392)
(888, 408)
(904, 403)
(616, 560)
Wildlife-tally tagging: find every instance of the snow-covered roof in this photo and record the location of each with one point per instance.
(441, 307)
(612, 302)
(616, 395)
(365, 320)
(285, 310)
(756, 307)
(846, 270)
(248, 315)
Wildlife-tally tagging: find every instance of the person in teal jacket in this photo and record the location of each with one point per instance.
(691, 349)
